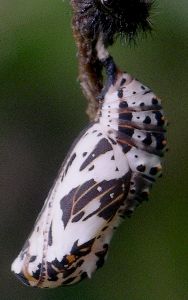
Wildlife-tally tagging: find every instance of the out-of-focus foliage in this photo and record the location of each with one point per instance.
(42, 110)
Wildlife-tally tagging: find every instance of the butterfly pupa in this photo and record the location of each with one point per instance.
(108, 172)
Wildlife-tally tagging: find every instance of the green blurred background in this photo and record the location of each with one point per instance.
(42, 110)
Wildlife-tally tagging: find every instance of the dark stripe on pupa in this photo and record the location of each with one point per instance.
(72, 158)
(109, 202)
(102, 147)
(50, 239)
(83, 249)
(78, 217)
(93, 193)
(66, 204)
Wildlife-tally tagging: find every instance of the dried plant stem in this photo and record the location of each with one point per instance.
(90, 68)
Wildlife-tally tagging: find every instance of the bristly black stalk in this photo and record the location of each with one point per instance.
(113, 18)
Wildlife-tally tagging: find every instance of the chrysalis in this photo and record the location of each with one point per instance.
(107, 173)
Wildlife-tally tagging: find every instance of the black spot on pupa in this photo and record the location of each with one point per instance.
(153, 171)
(116, 169)
(141, 168)
(148, 139)
(91, 168)
(142, 104)
(143, 87)
(112, 158)
(134, 92)
(123, 104)
(155, 101)
(99, 134)
(94, 131)
(84, 154)
(120, 93)
(159, 118)
(122, 81)
(147, 120)
(32, 258)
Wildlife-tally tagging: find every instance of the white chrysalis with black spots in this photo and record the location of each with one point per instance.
(107, 173)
